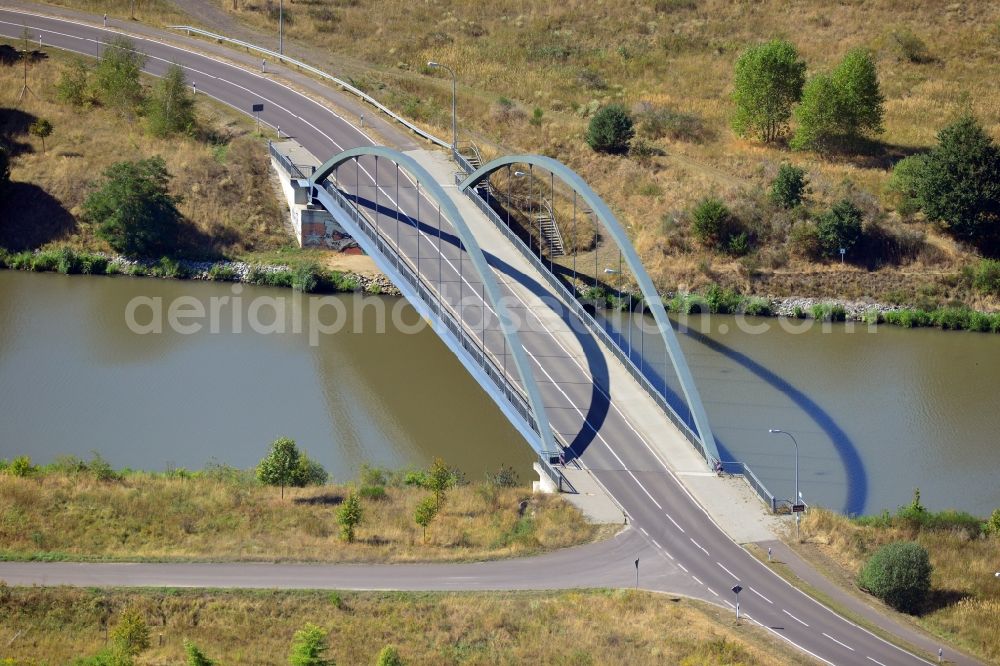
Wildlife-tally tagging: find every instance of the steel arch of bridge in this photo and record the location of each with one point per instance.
(651, 296)
(478, 259)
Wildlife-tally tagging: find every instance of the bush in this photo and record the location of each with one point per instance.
(986, 277)
(131, 635)
(828, 312)
(389, 656)
(92, 264)
(373, 476)
(133, 210)
(44, 262)
(992, 525)
(308, 472)
(657, 122)
(223, 273)
(505, 477)
(789, 186)
(758, 307)
(309, 647)
(911, 47)
(21, 466)
(349, 516)
(117, 76)
(170, 109)
(73, 85)
(169, 268)
(194, 656)
(305, 278)
(67, 261)
(722, 301)
(610, 130)
(711, 222)
(904, 183)
(960, 186)
(767, 81)
(840, 227)
(899, 574)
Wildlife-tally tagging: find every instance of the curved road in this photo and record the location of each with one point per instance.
(685, 550)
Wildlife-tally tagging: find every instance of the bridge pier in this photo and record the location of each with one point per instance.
(545, 484)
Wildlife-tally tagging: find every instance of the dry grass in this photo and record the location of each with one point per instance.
(148, 517)
(222, 172)
(965, 604)
(564, 58)
(55, 625)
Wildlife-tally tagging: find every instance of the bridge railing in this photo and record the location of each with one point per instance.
(344, 85)
(445, 314)
(588, 320)
(286, 162)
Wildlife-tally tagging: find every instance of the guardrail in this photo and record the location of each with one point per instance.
(443, 310)
(344, 85)
(737, 468)
(595, 327)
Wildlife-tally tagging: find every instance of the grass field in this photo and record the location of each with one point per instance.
(221, 170)
(53, 626)
(530, 74)
(224, 515)
(964, 607)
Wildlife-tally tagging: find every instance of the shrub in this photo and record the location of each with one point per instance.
(767, 81)
(899, 574)
(960, 186)
(349, 516)
(904, 183)
(309, 647)
(305, 278)
(45, 261)
(389, 656)
(911, 47)
(504, 477)
(73, 85)
(758, 307)
(711, 222)
(986, 277)
(992, 525)
(169, 268)
(223, 273)
(789, 186)
(425, 512)
(67, 261)
(131, 635)
(840, 227)
(194, 656)
(610, 130)
(21, 466)
(308, 472)
(722, 301)
(133, 210)
(373, 476)
(92, 264)
(828, 312)
(657, 122)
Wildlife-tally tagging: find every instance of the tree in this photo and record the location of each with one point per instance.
(818, 116)
(789, 186)
(280, 466)
(308, 472)
(72, 87)
(196, 657)
(41, 128)
(116, 76)
(349, 516)
(905, 181)
(839, 227)
(425, 513)
(860, 98)
(610, 130)
(439, 479)
(309, 646)
(171, 106)
(841, 107)
(899, 574)
(131, 635)
(960, 184)
(389, 656)
(767, 81)
(133, 210)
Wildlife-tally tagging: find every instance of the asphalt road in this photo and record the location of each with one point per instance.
(691, 554)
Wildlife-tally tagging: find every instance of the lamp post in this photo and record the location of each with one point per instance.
(281, 27)
(798, 495)
(454, 102)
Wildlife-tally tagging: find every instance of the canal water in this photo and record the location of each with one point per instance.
(876, 414)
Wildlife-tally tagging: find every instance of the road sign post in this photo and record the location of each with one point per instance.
(637, 573)
(736, 590)
(257, 108)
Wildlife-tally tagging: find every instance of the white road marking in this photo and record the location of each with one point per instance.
(728, 571)
(682, 567)
(656, 544)
(794, 618)
(673, 521)
(696, 579)
(643, 530)
(761, 595)
(699, 545)
(838, 642)
(712, 591)
(666, 552)
(875, 660)
(791, 642)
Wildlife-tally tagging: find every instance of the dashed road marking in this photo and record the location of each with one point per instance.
(761, 595)
(723, 566)
(875, 660)
(699, 545)
(696, 579)
(838, 642)
(794, 618)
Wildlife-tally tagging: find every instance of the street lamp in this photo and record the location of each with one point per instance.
(281, 27)
(454, 93)
(798, 495)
